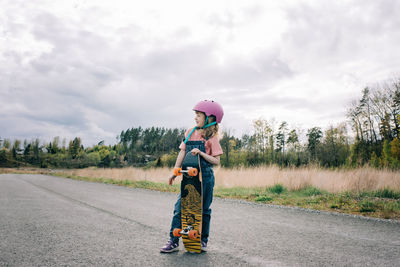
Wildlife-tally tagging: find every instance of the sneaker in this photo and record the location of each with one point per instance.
(203, 246)
(170, 247)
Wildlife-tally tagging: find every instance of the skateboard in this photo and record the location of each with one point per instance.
(191, 203)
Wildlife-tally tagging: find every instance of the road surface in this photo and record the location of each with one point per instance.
(48, 221)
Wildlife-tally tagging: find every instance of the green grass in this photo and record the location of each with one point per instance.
(312, 191)
(367, 206)
(383, 203)
(129, 183)
(263, 199)
(387, 193)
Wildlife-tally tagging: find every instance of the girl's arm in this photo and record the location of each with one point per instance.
(178, 164)
(180, 158)
(211, 159)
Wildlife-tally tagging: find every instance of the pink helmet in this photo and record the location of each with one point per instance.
(210, 108)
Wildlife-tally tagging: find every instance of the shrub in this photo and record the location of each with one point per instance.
(276, 189)
(311, 191)
(168, 160)
(367, 206)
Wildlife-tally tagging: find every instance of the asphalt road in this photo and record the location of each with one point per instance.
(50, 221)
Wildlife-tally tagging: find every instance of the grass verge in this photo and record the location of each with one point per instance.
(128, 183)
(380, 204)
(384, 203)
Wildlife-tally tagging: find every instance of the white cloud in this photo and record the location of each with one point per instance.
(94, 68)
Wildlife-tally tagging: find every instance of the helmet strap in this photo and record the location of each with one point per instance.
(187, 138)
(206, 124)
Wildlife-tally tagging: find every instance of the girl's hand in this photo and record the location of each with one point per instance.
(171, 179)
(195, 151)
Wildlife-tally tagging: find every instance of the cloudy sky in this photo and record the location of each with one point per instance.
(92, 68)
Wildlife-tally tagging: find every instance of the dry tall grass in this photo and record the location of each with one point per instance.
(361, 179)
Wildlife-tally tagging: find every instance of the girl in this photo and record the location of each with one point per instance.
(202, 140)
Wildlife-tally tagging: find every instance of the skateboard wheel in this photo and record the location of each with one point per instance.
(177, 171)
(192, 234)
(177, 232)
(192, 172)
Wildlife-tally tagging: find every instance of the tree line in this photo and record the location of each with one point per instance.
(373, 121)
(135, 147)
(369, 137)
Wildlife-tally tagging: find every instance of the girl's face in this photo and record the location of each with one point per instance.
(200, 118)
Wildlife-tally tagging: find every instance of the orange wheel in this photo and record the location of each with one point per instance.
(177, 171)
(192, 234)
(193, 172)
(177, 232)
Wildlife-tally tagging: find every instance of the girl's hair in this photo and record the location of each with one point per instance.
(210, 131)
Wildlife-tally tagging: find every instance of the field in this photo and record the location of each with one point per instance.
(366, 191)
(333, 181)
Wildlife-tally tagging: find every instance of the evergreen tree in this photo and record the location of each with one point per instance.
(293, 140)
(281, 137)
(314, 139)
(3, 158)
(227, 145)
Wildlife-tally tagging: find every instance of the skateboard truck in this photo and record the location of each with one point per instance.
(190, 170)
(188, 231)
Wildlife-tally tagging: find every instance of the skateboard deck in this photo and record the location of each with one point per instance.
(191, 204)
